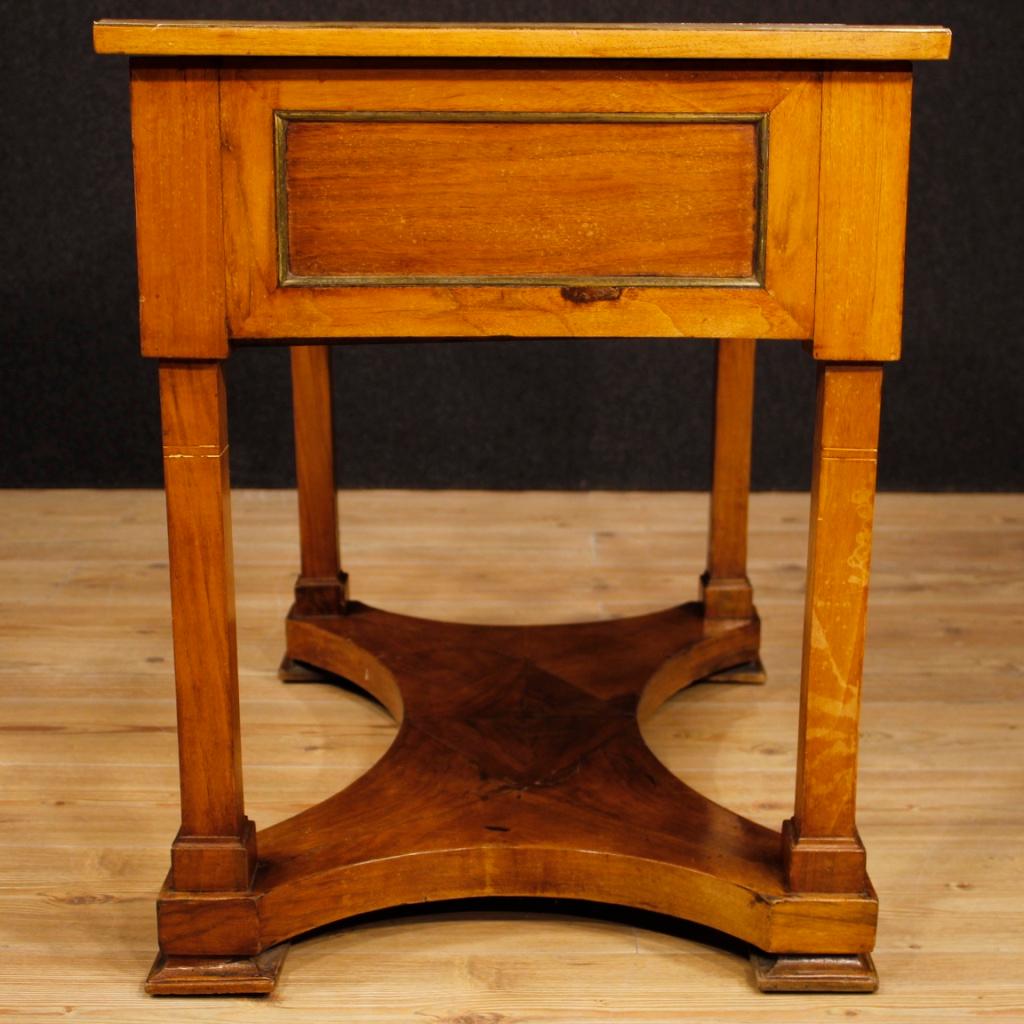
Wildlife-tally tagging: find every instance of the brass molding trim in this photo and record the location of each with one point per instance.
(286, 279)
(194, 451)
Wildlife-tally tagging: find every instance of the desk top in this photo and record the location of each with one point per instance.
(517, 40)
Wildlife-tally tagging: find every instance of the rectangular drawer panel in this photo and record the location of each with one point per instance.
(538, 199)
(379, 198)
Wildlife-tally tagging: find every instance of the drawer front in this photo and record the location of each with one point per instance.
(406, 197)
(533, 201)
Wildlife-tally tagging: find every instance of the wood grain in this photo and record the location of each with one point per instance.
(261, 308)
(815, 974)
(505, 200)
(215, 845)
(865, 157)
(725, 588)
(184, 976)
(536, 726)
(88, 744)
(518, 770)
(823, 850)
(733, 42)
(179, 224)
(321, 584)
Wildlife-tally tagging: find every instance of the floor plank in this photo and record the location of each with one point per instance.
(88, 767)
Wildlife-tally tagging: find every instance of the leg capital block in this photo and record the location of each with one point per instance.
(731, 598)
(326, 595)
(214, 863)
(823, 863)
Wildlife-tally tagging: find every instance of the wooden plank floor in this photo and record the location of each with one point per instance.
(88, 782)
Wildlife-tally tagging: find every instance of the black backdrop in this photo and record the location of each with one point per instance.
(78, 404)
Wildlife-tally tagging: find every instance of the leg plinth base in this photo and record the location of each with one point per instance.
(216, 976)
(751, 673)
(292, 671)
(854, 973)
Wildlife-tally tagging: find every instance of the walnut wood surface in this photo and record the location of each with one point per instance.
(519, 769)
(368, 39)
(208, 976)
(259, 307)
(814, 973)
(214, 849)
(178, 210)
(725, 589)
(823, 850)
(865, 158)
(321, 586)
(531, 199)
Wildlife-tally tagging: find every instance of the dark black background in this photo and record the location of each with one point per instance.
(78, 404)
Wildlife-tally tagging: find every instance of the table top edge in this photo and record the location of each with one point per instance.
(700, 41)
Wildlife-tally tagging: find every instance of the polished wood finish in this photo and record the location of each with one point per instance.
(322, 586)
(178, 210)
(314, 199)
(261, 306)
(814, 973)
(689, 192)
(215, 847)
(584, 40)
(823, 850)
(725, 588)
(865, 156)
(519, 770)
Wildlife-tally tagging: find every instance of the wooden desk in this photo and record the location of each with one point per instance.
(361, 181)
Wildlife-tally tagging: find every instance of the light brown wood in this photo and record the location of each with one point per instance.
(823, 850)
(535, 199)
(87, 713)
(260, 308)
(179, 224)
(322, 584)
(865, 157)
(369, 39)
(792, 229)
(725, 588)
(214, 849)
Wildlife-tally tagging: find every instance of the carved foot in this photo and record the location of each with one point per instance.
(751, 672)
(853, 973)
(291, 671)
(216, 976)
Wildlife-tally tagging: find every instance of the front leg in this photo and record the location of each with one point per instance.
(822, 851)
(215, 848)
(214, 853)
(822, 848)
